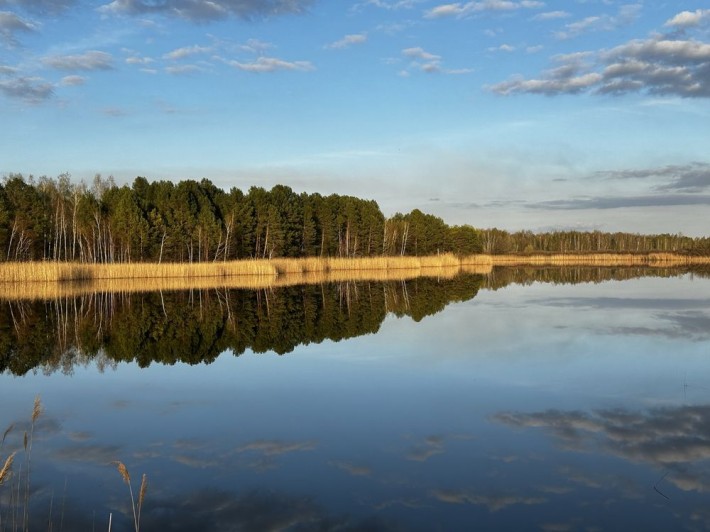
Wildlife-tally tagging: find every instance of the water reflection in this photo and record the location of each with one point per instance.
(196, 326)
(676, 440)
(523, 405)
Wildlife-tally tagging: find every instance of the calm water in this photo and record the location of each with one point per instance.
(522, 400)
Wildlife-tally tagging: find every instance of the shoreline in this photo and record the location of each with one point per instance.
(58, 272)
(42, 280)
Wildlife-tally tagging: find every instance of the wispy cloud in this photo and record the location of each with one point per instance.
(420, 53)
(114, 112)
(463, 9)
(200, 11)
(272, 64)
(30, 89)
(187, 51)
(11, 24)
(390, 5)
(138, 60)
(92, 60)
(181, 70)
(502, 48)
(424, 61)
(73, 81)
(626, 15)
(623, 202)
(347, 41)
(552, 15)
(40, 7)
(693, 177)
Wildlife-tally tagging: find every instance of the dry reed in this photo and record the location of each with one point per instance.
(7, 468)
(598, 259)
(8, 430)
(38, 280)
(123, 471)
(289, 272)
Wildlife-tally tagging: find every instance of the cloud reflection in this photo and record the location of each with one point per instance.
(257, 510)
(494, 503)
(675, 439)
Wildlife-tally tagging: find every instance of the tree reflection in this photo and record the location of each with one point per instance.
(197, 326)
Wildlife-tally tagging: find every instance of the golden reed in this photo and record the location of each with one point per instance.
(599, 259)
(43, 280)
(43, 290)
(20, 272)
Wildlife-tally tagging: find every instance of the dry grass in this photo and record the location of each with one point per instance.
(16, 272)
(41, 280)
(51, 279)
(599, 259)
(7, 468)
(53, 290)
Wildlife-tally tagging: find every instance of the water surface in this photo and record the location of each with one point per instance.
(536, 399)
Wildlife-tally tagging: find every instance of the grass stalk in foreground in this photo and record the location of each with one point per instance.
(136, 507)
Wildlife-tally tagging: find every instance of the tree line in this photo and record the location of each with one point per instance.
(497, 242)
(192, 221)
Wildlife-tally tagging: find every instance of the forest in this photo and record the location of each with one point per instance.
(55, 219)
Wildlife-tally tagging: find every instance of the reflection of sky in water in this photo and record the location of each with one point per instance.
(531, 407)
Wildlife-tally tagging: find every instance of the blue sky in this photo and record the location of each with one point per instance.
(584, 114)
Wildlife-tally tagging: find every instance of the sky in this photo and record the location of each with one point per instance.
(517, 114)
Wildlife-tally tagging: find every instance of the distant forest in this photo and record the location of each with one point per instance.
(190, 221)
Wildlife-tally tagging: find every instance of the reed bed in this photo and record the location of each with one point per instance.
(54, 290)
(598, 259)
(20, 272)
(17, 272)
(30, 279)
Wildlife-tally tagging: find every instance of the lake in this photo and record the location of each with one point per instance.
(525, 399)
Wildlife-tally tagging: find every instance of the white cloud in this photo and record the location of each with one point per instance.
(552, 15)
(420, 53)
(626, 15)
(73, 81)
(187, 51)
(662, 65)
(135, 60)
(92, 60)
(687, 19)
(256, 46)
(272, 64)
(348, 40)
(459, 9)
(389, 5)
(502, 48)
(182, 69)
(30, 89)
(10, 24)
(428, 63)
(206, 11)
